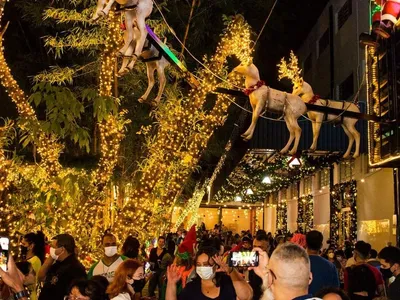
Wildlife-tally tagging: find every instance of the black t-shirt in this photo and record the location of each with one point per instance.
(256, 285)
(156, 259)
(394, 289)
(192, 291)
(59, 278)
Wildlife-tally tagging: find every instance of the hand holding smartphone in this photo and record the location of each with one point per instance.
(243, 259)
(4, 247)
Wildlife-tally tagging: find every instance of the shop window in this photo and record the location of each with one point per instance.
(323, 42)
(346, 88)
(308, 63)
(324, 180)
(346, 171)
(344, 13)
(307, 185)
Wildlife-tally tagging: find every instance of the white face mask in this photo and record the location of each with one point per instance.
(110, 251)
(205, 272)
(331, 255)
(53, 253)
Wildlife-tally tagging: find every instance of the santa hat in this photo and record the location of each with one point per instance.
(188, 242)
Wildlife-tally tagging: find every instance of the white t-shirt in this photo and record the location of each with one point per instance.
(122, 296)
(99, 268)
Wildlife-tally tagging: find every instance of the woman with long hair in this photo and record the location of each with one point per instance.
(122, 287)
(33, 251)
(215, 280)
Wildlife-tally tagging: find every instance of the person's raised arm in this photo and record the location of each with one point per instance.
(242, 288)
(173, 278)
(45, 268)
(14, 279)
(262, 269)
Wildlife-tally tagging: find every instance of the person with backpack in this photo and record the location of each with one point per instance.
(361, 280)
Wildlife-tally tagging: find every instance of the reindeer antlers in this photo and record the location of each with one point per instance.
(290, 70)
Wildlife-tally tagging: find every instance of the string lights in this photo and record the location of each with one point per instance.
(47, 146)
(183, 132)
(343, 223)
(305, 213)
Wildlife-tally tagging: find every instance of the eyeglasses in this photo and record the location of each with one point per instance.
(273, 277)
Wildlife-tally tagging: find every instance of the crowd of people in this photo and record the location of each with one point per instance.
(195, 264)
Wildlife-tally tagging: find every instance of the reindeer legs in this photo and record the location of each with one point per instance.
(356, 136)
(141, 26)
(292, 135)
(151, 67)
(106, 10)
(162, 80)
(257, 109)
(297, 133)
(131, 46)
(316, 125)
(351, 140)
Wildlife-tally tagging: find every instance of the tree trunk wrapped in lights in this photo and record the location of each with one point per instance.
(183, 134)
(47, 146)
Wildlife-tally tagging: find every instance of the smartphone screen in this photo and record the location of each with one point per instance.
(243, 259)
(4, 242)
(146, 267)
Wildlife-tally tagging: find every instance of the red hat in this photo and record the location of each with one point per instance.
(188, 242)
(237, 247)
(299, 239)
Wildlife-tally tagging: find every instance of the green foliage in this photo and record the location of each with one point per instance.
(63, 112)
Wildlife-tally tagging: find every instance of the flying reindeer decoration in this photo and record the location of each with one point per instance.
(136, 12)
(301, 88)
(265, 98)
(135, 33)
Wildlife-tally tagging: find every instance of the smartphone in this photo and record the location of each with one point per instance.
(146, 268)
(243, 259)
(4, 244)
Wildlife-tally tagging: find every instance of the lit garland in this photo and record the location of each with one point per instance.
(343, 195)
(305, 213)
(250, 171)
(47, 146)
(373, 105)
(183, 133)
(281, 216)
(192, 205)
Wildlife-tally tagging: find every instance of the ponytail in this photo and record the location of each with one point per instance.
(38, 240)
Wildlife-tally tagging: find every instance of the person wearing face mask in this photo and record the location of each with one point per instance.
(286, 275)
(60, 269)
(390, 267)
(331, 256)
(361, 280)
(126, 274)
(215, 280)
(33, 250)
(110, 261)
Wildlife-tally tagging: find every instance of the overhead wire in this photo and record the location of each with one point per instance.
(240, 88)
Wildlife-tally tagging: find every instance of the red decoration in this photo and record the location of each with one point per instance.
(251, 89)
(314, 99)
(188, 242)
(122, 26)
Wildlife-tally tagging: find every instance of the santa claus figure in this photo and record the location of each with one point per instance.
(384, 21)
